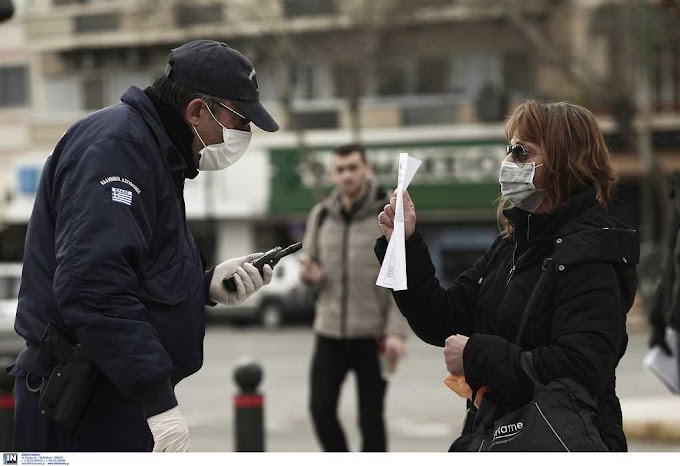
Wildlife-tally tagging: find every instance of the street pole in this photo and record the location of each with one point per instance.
(653, 199)
(248, 408)
(6, 10)
(6, 407)
(644, 146)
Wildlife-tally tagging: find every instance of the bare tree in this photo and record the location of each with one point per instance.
(371, 20)
(622, 93)
(278, 45)
(625, 92)
(372, 23)
(672, 5)
(366, 24)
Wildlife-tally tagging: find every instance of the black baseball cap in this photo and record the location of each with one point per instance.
(215, 69)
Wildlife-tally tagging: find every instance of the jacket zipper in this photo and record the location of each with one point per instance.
(345, 277)
(512, 269)
(514, 265)
(528, 227)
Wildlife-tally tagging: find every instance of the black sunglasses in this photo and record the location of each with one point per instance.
(519, 153)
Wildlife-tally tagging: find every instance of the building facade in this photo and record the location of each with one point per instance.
(18, 173)
(435, 80)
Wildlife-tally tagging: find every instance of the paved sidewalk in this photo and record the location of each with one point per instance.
(650, 411)
(422, 414)
(654, 418)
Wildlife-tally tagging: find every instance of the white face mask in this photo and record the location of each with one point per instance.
(222, 155)
(517, 185)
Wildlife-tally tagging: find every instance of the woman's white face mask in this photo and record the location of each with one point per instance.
(517, 185)
(226, 153)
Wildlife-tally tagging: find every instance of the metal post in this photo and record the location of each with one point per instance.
(645, 149)
(248, 408)
(6, 10)
(6, 407)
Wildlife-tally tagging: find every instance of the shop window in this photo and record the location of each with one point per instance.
(97, 23)
(13, 86)
(188, 15)
(293, 8)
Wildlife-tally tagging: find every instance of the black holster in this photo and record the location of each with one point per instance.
(68, 389)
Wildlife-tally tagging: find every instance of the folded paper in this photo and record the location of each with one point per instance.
(393, 271)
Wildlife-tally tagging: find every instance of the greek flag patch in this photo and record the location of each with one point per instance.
(121, 195)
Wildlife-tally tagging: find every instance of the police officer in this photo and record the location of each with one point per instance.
(110, 264)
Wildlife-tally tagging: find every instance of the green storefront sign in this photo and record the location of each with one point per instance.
(454, 176)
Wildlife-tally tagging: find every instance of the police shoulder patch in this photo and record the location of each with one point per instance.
(121, 195)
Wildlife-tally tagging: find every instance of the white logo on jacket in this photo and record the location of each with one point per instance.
(508, 430)
(120, 179)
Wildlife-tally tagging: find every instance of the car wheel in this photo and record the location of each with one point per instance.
(271, 316)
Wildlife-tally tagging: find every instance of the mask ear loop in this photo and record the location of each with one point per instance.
(212, 115)
(543, 191)
(199, 136)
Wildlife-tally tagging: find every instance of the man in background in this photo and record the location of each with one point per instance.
(358, 326)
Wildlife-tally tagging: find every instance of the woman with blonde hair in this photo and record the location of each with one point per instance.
(557, 178)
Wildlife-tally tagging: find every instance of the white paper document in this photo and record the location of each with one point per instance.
(393, 270)
(665, 367)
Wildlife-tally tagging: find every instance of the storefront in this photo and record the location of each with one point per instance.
(455, 192)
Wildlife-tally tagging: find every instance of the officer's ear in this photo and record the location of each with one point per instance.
(194, 111)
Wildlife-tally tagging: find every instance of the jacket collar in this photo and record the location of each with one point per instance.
(138, 100)
(365, 206)
(177, 130)
(579, 230)
(530, 228)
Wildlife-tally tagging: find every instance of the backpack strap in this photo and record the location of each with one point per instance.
(489, 412)
(494, 254)
(545, 280)
(320, 218)
(323, 213)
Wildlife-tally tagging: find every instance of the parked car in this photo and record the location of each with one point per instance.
(284, 300)
(11, 344)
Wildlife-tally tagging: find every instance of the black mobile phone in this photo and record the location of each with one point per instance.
(271, 257)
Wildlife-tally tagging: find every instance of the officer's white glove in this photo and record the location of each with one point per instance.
(247, 278)
(170, 432)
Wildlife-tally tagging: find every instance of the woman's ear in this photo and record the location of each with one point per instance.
(193, 112)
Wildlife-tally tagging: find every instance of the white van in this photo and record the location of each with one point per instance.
(10, 278)
(285, 299)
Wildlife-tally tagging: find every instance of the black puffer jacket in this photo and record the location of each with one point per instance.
(579, 331)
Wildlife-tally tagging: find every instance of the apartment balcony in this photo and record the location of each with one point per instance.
(62, 25)
(395, 112)
(333, 114)
(58, 25)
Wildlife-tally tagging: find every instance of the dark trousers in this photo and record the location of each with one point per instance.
(332, 359)
(109, 424)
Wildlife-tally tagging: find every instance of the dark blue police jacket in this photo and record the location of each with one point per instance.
(109, 260)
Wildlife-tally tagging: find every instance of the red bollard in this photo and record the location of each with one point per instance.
(6, 410)
(249, 409)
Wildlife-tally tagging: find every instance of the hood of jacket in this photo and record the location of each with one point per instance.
(581, 230)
